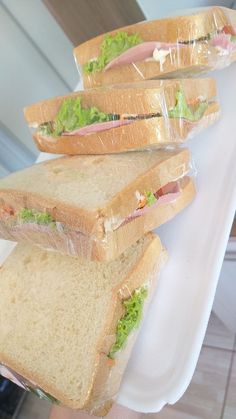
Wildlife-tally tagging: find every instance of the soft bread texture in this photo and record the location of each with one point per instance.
(137, 98)
(84, 191)
(59, 315)
(189, 60)
(113, 242)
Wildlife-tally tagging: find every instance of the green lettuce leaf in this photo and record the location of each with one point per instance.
(233, 38)
(151, 199)
(131, 319)
(111, 47)
(71, 116)
(183, 110)
(26, 215)
(46, 129)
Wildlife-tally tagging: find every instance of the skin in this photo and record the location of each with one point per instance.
(117, 412)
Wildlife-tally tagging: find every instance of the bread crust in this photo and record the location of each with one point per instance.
(135, 98)
(141, 134)
(151, 259)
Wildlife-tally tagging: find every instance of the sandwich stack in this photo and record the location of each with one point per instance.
(76, 287)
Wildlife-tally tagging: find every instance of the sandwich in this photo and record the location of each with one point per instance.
(140, 115)
(67, 326)
(167, 47)
(94, 206)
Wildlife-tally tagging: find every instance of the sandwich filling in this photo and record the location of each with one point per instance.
(32, 219)
(147, 201)
(130, 321)
(73, 119)
(122, 49)
(31, 216)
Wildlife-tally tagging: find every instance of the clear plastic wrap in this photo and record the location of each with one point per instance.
(128, 294)
(95, 206)
(143, 115)
(171, 47)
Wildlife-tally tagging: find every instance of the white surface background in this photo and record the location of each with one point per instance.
(168, 347)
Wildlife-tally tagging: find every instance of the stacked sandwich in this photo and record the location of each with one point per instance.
(74, 290)
(161, 48)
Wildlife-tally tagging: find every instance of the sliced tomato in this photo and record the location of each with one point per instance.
(229, 30)
(9, 210)
(171, 187)
(142, 203)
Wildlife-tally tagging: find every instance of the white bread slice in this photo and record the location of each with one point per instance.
(82, 191)
(59, 315)
(136, 98)
(193, 59)
(113, 242)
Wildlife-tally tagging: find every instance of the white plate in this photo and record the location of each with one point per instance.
(169, 344)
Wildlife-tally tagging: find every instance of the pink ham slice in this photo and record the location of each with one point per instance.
(101, 126)
(104, 126)
(172, 192)
(164, 199)
(140, 53)
(223, 41)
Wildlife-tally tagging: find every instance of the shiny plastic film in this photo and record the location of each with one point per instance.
(171, 47)
(95, 206)
(149, 114)
(89, 365)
